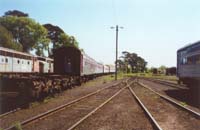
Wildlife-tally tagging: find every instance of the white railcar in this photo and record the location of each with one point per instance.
(99, 68)
(89, 65)
(106, 68)
(12, 61)
(112, 68)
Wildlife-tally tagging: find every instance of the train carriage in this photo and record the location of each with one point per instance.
(106, 69)
(188, 63)
(71, 61)
(112, 69)
(68, 61)
(14, 61)
(188, 69)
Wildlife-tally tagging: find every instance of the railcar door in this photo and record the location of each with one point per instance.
(67, 65)
(41, 67)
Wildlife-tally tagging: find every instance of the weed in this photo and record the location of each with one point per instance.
(183, 103)
(17, 126)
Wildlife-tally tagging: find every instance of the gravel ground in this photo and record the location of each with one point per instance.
(67, 117)
(182, 96)
(62, 98)
(168, 116)
(121, 113)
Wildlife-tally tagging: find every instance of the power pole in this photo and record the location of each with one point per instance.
(117, 29)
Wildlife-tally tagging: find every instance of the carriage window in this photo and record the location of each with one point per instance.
(28, 62)
(197, 59)
(2, 60)
(6, 60)
(184, 61)
(190, 60)
(18, 61)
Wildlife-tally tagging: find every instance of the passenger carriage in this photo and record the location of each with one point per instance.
(71, 61)
(188, 63)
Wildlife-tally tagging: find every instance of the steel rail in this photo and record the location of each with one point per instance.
(51, 111)
(165, 83)
(97, 108)
(7, 113)
(157, 126)
(172, 101)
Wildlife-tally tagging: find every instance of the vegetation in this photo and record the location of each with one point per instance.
(25, 34)
(6, 39)
(131, 62)
(26, 31)
(15, 13)
(17, 126)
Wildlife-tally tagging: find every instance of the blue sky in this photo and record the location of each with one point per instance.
(154, 29)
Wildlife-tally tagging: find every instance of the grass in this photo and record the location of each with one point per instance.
(183, 104)
(17, 126)
(33, 104)
(150, 75)
(46, 100)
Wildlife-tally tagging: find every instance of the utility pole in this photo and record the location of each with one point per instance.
(117, 29)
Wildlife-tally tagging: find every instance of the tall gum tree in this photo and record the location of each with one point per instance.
(30, 34)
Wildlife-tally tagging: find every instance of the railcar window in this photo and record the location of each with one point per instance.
(190, 60)
(28, 62)
(2, 60)
(197, 59)
(6, 60)
(184, 61)
(18, 61)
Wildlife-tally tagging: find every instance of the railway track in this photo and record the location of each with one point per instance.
(150, 117)
(111, 94)
(94, 110)
(166, 83)
(10, 112)
(168, 113)
(59, 108)
(184, 96)
(196, 114)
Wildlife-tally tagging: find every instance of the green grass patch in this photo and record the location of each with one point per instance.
(183, 104)
(17, 126)
(47, 99)
(33, 104)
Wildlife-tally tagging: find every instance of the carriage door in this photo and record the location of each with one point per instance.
(41, 67)
(67, 65)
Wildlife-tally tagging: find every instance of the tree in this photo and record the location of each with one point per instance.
(6, 39)
(26, 31)
(137, 63)
(162, 69)
(54, 33)
(15, 13)
(59, 38)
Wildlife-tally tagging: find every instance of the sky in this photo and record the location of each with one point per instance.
(154, 29)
